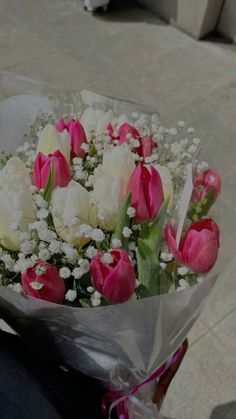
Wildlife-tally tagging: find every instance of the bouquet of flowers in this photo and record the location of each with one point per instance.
(105, 243)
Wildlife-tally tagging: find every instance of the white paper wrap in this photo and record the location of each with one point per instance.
(118, 344)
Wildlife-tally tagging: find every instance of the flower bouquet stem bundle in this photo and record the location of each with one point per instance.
(106, 242)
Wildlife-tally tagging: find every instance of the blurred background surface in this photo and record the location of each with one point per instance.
(130, 52)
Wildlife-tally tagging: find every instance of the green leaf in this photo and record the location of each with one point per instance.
(200, 208)
(154, 233)
(85, 303)
(147, 253)
(148, 267)
(48, 188)
(166, 282)
(123, 221)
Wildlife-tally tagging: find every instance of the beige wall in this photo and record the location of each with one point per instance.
(167, 9)
(227, 22)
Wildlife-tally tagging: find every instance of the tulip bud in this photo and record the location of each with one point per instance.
(51, 140)
(125, 132)
(146, 146)
(146, 192)
(114, 278)
(60, 170)
(77, 136)
(206, 187)
(198, 248)
(42, 280)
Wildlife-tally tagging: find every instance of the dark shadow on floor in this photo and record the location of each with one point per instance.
(128, 11)
(224, 411)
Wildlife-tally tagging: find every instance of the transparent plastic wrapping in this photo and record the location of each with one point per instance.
(118, 344)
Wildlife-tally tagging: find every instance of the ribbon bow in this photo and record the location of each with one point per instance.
(115, 399)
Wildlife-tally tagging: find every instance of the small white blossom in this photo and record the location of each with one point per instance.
(106, 258)
(200, 279)
(126, 232)
(132, 246)
(173, 131)
(85, 230)
(65, 273)
(40, 269)
(44, 254)
(134, 143)
(42, 213)
(166, 257)
(190, 130)
(77, 161)
(196, 141)
(24, 236)
(91, 251)
(97, 235)
(182, 285)
(77, 273)
(181, 124)
(90, 290)
(55, 247)
(131, 255)
(8, 261)
(70, 252)
(131, 212)
(27, 247)
(47, 235)
(136, 227)
(85, 147)
(163, 265)
(33, 189)
(16, 287)
(84, 265)
(71, 295)
(39, 201)
(95, 302)
(192, 149)
(182, 270)
(36, 285)
(38, 226)
(202, 165)
(97, 294)
(116, 243)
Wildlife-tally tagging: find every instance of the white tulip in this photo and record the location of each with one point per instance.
(110, 184)
(15, 208)
(118, 162)
(15, 176)
(51, 140)
(72, 207)
(96, 121)
(108, 193)
(16, 204)
(167, 183)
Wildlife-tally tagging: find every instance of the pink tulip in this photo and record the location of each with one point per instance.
(60, 169)
(204, 182)
(146, 146)
(114, 280)
(146, 192)
(42, 280)
(60, 125)
(76, 133)
(125, 132)
(198, 247)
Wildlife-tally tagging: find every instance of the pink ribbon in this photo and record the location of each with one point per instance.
(117, 400)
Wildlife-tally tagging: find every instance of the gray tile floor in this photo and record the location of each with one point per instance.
(129, 52)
